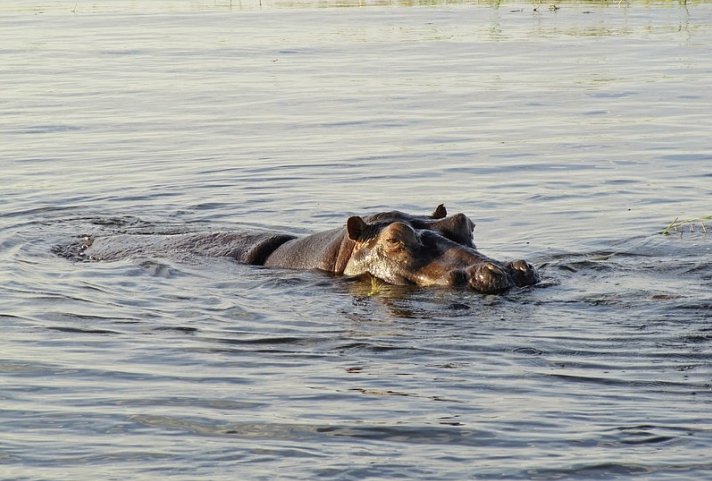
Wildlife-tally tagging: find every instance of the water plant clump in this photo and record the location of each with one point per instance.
(679, 226)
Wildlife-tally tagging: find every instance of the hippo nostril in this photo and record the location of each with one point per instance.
(489, 278)
(492, 267)
(521, 265)
(523, 274)
(491, 271)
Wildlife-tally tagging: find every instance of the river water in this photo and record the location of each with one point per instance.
(571, 136)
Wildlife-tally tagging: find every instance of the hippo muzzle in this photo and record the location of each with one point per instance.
(492, 278)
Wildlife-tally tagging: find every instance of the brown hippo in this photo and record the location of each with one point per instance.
(395, 247)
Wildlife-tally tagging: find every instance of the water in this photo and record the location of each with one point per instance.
(571, 136)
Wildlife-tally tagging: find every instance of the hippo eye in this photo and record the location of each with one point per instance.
(394, 243)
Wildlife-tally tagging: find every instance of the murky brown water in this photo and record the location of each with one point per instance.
(571, 136)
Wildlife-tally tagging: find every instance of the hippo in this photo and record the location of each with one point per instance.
(395, 247)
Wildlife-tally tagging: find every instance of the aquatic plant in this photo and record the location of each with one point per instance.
(692, 225)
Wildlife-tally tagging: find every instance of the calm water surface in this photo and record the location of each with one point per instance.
(571, 136)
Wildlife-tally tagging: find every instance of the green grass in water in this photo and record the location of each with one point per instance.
(677, 225)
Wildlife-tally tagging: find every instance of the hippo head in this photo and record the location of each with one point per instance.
(437, 250)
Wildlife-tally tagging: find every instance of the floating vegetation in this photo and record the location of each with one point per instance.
(679, 226)
(376, 286)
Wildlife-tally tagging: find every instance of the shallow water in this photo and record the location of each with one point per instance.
(571, 136)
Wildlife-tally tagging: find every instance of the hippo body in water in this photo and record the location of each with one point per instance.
(395, 247)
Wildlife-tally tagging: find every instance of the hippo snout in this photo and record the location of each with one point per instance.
(489, 278)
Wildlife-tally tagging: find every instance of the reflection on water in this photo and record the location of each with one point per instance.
(571, 136)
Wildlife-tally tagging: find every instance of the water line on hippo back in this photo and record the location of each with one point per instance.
(393, 246)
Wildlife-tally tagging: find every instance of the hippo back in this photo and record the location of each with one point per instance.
(244, 247)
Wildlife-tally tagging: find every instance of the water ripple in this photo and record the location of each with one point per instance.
(572, 136)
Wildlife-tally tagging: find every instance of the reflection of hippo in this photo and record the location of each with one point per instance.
(395, 247)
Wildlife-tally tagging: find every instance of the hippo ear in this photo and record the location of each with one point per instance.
(470, 225)
(440, 212)
(355, 227)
